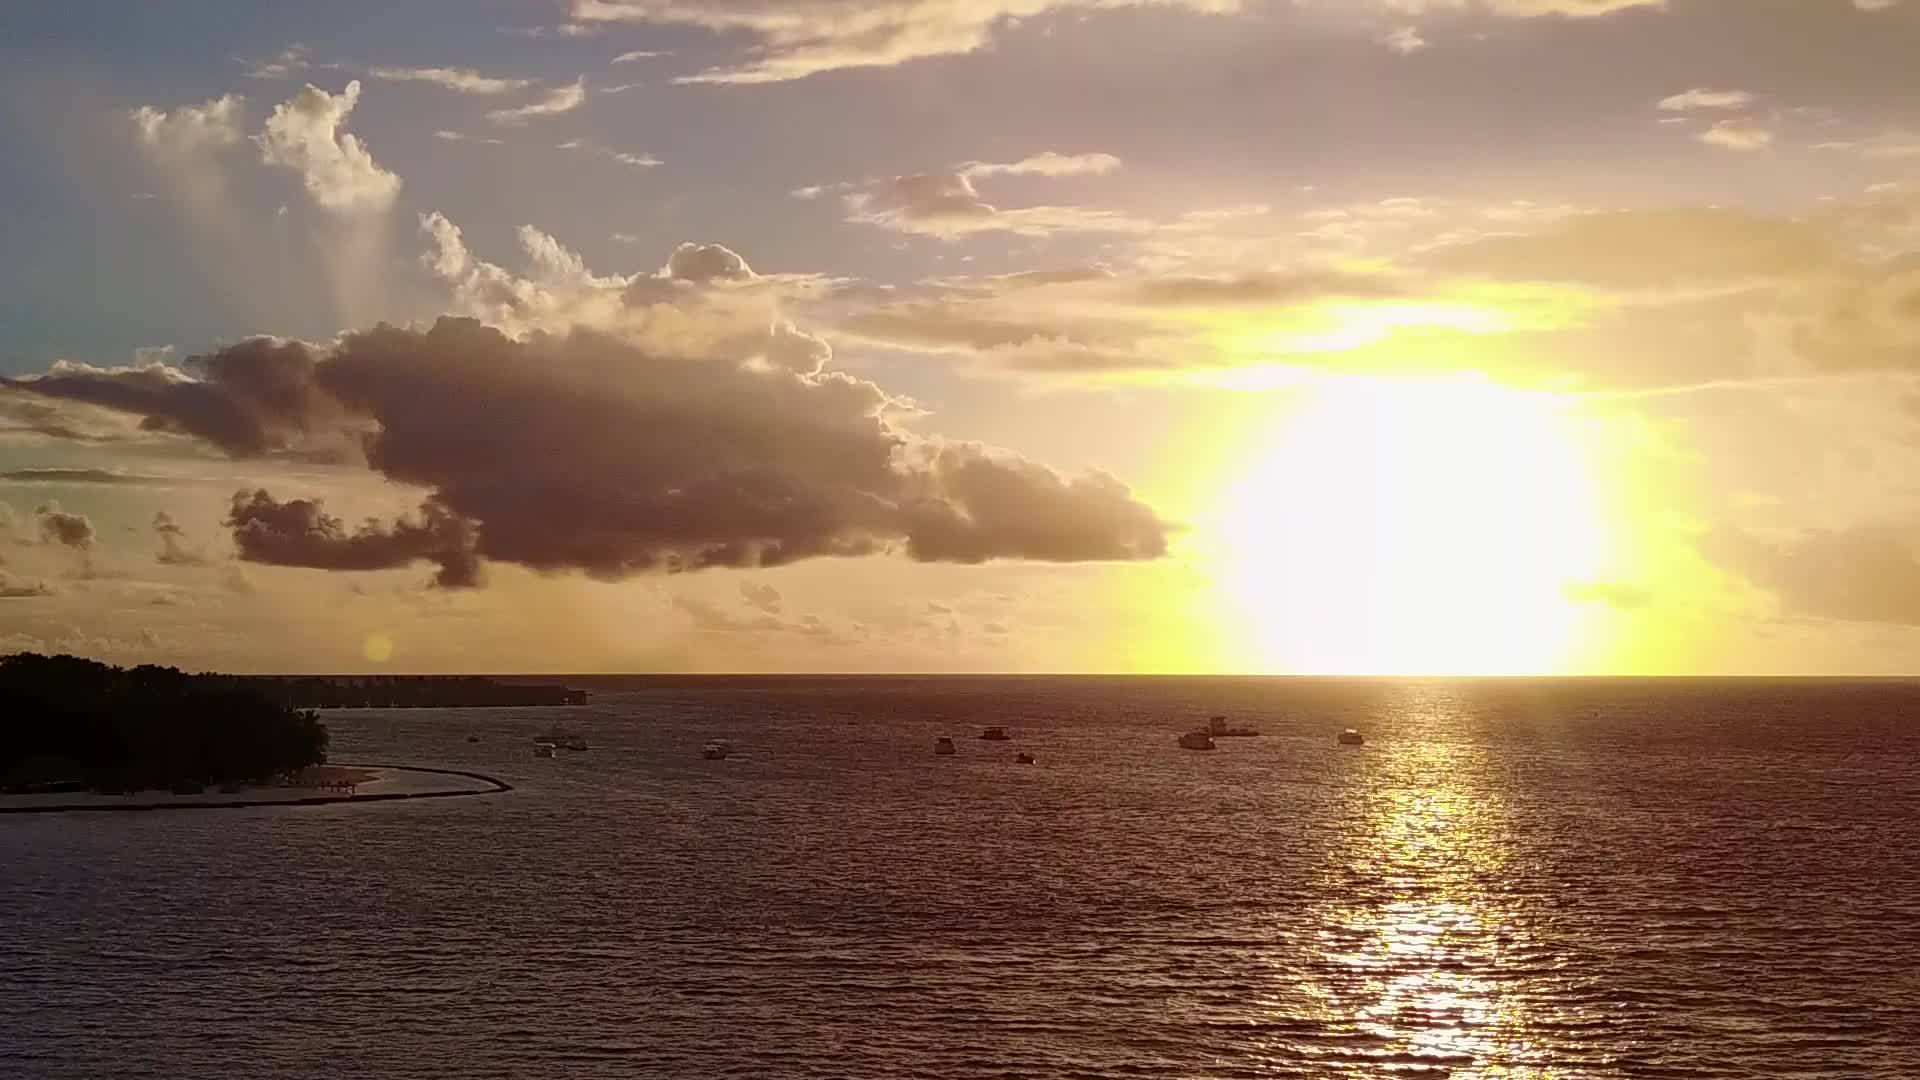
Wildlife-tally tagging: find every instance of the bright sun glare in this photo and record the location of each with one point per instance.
(1417, 527)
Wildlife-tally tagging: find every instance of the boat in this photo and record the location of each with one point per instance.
(1196, 740)
(542, 749)
(944, 745)
(473, 738)
(996, 734)
(1350, 737)
(1023, 758)
(577, 744)
(1217, 727)
(716, 750)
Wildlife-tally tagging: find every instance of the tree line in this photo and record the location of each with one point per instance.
(65, 720)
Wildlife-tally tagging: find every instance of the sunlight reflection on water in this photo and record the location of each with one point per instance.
(1420, 957)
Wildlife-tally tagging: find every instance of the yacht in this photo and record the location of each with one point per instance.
(716, 750)
(542, 749)
(996, 734)
(1196, 740)
(944, 745)
(1217, 727)
(1350, 737)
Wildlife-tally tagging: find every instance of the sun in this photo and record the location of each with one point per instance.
(1409, 526)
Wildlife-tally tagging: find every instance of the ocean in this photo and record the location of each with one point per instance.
(1512, 878)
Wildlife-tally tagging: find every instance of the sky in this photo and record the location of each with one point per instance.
(1133, 336)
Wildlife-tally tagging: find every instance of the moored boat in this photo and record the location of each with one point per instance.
(716, 750)
(996, 733)
(944, 745)
(1351, 737)
(1217, 727)
(1196, 740)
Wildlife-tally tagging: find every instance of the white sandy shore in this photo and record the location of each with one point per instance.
(383, 782)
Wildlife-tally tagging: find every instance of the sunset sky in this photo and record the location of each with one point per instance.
(1323, 336)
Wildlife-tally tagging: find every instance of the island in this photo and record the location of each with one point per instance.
(71, 724)
(80, 735)
(412, 692)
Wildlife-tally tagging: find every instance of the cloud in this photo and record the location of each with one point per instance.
(630, 158)
(614, 454)
(462, 80)
(1405, 40)
(247, 399)
(1886, 146)
(1526, 9)
(1698, 98)
(338, 172)
(1647, 249)
(559, 100)
(764, 597)
(798, 38)
(12, 588)
(639, 54)
(74, 476)
(1743, 135)
(300, 533)
(173, 547)
(190, 129)
(1048, 163)
(456, 136)
(290, 60)
(947, 205)
(64, 528)
(1865, 573)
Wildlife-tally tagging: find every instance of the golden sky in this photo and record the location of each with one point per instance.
(1478, 336)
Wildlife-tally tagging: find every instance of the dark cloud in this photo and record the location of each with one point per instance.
(1868, 573)
(300, 533)
(62, 527)
(583, 452)
(75, 476)
(173, 546)
(20, 414)
(245, 399)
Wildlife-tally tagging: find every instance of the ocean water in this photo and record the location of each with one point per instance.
(1511, 879)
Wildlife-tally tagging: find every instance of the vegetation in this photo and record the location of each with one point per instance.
(412, 692)
(66, 720)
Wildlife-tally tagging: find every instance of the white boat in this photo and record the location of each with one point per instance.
(996, 733)
(717, 750)
(542, 749)
(1196, 740)
(944, 745)
(1350, 737)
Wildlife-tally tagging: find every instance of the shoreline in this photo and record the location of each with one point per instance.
(101, 803)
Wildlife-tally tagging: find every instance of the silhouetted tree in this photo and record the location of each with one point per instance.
(123, 729)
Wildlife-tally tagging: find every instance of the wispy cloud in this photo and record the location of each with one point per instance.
(1691, 100)
(560, 100)
(624, 157)
(1045, 164)
(456, 136)
(463, 80)
(640, 54)
(1744, 135)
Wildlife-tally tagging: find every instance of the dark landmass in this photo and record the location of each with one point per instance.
(72, 724)
(411, 691)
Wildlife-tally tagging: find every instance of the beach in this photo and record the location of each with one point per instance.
(323, 784)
